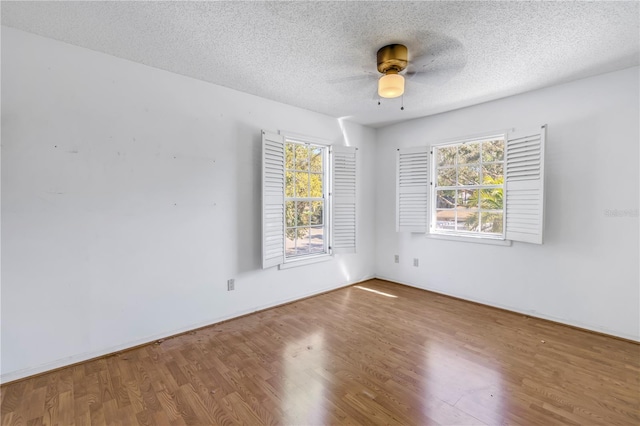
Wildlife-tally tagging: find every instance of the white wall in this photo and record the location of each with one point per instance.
(586, 272)
(130, 195)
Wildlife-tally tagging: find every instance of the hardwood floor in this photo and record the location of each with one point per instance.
(394, 355)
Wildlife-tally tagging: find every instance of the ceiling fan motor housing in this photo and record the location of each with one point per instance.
(392, 58)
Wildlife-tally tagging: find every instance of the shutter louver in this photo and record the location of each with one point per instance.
(412, 190)
(524, 186)
(272, 199)
(344, 199)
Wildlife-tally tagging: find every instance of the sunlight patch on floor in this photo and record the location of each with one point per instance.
(374, 291)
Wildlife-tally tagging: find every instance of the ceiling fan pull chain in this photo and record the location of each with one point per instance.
(402, 106)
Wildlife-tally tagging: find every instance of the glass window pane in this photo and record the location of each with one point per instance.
(493, 150)
(474, 210)
(491, 222)
(316, 239)
(304, 220)
(491, 199)
(469, 175)
(469, 153)
(289, 185)
(468, 198)
(317, 208)
(302, 242)
(492, 174)
(445, 199)
(290, 243)
(445, 219)
(289, 155)
(303, 211)
(302, 157)
(446, 156)
(467, 219)
(316, 185)
(290, 213)
(315, 161)
(447, 176)
(302, 185)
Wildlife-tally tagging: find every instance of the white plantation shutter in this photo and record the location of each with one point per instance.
(344, 199)
(412, 190)
(272, 199)
(524, 185)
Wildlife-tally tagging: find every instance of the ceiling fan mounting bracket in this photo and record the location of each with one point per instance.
(392, 58)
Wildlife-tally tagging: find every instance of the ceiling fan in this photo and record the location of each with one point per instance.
(392, 60)
(439, 58)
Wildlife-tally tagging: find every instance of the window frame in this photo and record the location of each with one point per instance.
(523, 188)
(433, 205)
(326, 198)
(341, 200)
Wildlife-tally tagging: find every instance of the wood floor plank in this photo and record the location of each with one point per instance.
(351, 357)
(169, 404)
(82, 410)
(8, 418)
(66, 408)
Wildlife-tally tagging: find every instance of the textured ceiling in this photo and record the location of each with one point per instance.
(321, 55)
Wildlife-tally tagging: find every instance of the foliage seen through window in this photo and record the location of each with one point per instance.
(469, 188)
(305, 227)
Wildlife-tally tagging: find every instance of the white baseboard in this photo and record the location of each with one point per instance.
(65, 362)
(534, 314)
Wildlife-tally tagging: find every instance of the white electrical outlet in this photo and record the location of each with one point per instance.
(415, 262)
(231, 284)
(396, 258)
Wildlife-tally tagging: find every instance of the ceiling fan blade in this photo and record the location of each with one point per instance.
(367, 75)
(348, 79)
(435, 70)
(439, 58)
(429, 45)
(435, 75)
(429, 78)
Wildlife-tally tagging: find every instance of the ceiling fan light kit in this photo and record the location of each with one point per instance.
(392, 59)
(391, 85)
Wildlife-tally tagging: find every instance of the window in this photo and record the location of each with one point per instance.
(305, 196)
(468, 188)
(489, 187)
(308, 200)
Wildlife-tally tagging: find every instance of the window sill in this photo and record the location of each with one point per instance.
(305, 261)
(477, 240)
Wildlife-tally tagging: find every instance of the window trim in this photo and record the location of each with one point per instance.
(461, 235)
(469, 239)
(306, 260)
